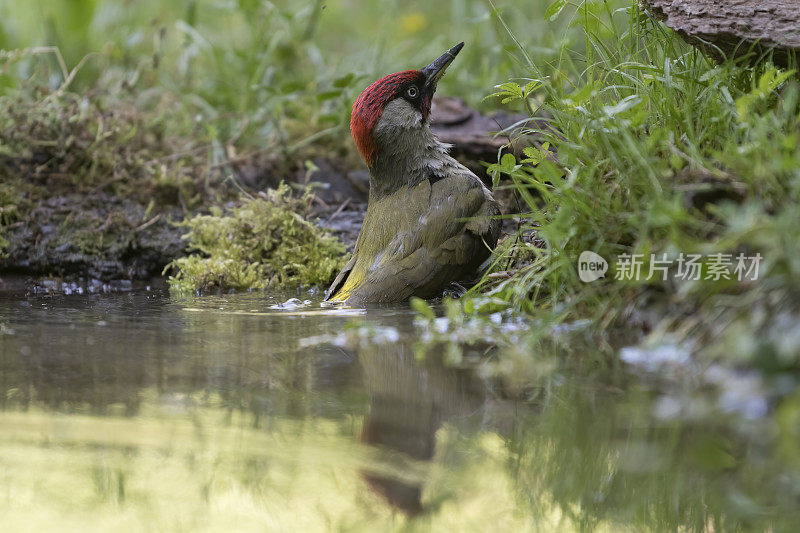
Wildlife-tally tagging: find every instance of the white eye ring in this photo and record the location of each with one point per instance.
(412, 91)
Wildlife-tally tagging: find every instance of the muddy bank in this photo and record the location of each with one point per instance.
(97, 235)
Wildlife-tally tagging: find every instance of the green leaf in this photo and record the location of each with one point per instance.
(469, 306)
(495, 176)
(328, 95)
(623, 105)
(770, 80)
(536, 155)
(344, 81)
(292, 87)
(554, 9)
(422, 308)
(532, 86)
(508, 162)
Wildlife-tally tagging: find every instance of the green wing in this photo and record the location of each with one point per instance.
(446, 243)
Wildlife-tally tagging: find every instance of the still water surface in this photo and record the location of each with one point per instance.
(140, 411)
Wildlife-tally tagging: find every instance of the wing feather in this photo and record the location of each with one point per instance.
(340, 280)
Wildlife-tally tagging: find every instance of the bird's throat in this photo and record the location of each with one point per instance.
(405, 157)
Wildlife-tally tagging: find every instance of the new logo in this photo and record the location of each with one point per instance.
(591, 266)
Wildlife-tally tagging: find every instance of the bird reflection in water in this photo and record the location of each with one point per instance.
(409, 401)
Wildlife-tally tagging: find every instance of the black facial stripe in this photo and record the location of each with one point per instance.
(415, 100)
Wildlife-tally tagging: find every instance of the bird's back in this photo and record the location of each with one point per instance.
(422, 237)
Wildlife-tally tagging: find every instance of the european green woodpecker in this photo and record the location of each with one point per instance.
(430, 221)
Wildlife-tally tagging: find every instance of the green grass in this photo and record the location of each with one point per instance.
(249, 75)
(659, 151)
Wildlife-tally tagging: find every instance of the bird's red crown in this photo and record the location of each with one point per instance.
(368, 108)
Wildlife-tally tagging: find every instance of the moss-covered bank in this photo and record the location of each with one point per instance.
(91, 186)
(264, 242)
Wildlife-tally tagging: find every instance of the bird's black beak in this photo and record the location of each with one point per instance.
(435, 70)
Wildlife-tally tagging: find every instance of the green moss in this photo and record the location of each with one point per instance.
(88, 181)
(68, 142)
(264, 242)
(9, 204)
(10, 199)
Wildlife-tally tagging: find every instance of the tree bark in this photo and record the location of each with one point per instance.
(734, 28)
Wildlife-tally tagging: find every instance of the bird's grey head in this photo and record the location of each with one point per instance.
(391, 115)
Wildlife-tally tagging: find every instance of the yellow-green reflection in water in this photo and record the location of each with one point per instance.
(140, 412)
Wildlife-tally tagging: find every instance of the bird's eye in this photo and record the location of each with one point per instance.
(412, 91)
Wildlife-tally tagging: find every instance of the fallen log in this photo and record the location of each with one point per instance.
(724, 29)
